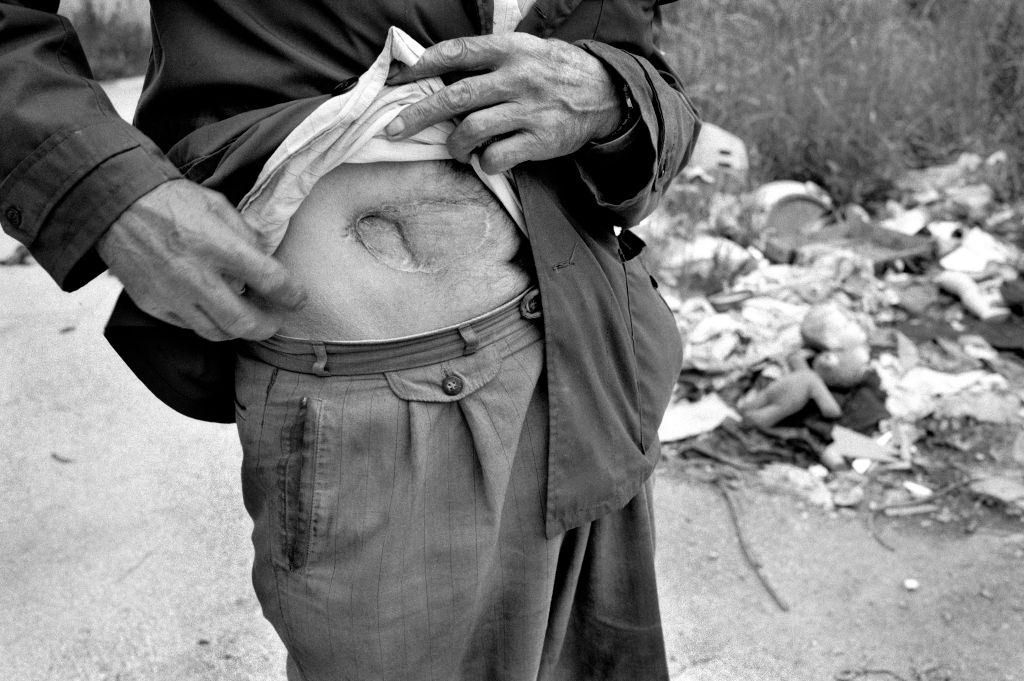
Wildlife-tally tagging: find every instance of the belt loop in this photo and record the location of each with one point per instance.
(529, 306)
(320, 366)
(470, 338)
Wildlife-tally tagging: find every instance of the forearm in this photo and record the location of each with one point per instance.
(69, 166)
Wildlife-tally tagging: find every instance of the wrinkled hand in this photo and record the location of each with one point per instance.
(530, 99)
(184, 254)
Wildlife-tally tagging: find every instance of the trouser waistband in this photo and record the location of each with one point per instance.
(357, 358)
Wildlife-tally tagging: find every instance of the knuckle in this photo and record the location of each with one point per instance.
(179, 243)
(461, 94)
(453, 51)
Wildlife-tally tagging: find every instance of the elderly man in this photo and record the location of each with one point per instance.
(450, 375)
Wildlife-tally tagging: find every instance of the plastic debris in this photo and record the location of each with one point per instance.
(851, 445)
(1003, 489)
(903, 511)
(917, 491)
(978, 251)
(907, 222)
(920, 307)
(984, 406)
(847, 489)
(797, 482)
(861, 466)
(687, 419)
(942, 177)
(983, 305)
(719, 152)
(911, 584)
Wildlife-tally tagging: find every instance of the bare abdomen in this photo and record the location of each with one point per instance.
(394, 249)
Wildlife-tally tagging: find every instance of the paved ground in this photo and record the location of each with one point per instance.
(125, 549)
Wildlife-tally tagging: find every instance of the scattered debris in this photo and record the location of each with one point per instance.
(850, 445)
(918, 491)
(798, 482)
(903, 511)
(1003, 489)
(847, 488)
(686, 419)
(881, 345)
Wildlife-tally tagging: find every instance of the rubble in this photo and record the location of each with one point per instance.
(872, 358)
(796, 481)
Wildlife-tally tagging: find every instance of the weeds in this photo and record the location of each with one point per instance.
(847, 93)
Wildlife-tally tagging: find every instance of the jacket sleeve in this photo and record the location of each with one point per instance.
(69, 166)
(627, 175)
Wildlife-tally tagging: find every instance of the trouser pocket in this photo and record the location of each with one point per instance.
(283, 466)
(298, 483)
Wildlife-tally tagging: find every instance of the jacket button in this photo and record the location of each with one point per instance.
(452, 385)
(13, 217)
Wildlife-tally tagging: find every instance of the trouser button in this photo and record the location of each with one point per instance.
(452, 385)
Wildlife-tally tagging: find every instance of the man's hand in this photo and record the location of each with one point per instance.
(530, 99)
(185, 255)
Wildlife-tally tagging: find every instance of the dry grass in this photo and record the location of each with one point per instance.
(848, 92)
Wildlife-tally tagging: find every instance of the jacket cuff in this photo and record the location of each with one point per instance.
(61, 198)
(627, 174)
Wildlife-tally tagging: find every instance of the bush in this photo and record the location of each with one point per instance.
(847, 93)
(116, 46)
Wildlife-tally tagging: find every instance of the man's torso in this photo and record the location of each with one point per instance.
(395, 249)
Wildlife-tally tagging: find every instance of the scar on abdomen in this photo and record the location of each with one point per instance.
(383, 238)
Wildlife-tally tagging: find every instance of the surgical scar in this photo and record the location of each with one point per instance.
(425, 236)
(384, 240)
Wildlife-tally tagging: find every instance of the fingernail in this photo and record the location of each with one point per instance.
(395, 128)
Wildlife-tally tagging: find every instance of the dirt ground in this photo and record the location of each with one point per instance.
(126, 555)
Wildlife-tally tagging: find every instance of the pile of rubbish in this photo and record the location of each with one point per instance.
(862, 360)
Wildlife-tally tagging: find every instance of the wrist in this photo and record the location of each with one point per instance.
(628, 112)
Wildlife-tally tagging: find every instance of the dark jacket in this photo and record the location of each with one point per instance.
(229, 79)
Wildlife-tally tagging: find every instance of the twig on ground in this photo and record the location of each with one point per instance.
(746, 549)
(874, 533)
(919, 502)
(136, 566)
(854, 674)
(708, 453)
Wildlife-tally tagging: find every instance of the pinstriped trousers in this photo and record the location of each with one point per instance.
(399, 534)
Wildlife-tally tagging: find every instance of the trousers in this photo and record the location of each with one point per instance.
(397, 492)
